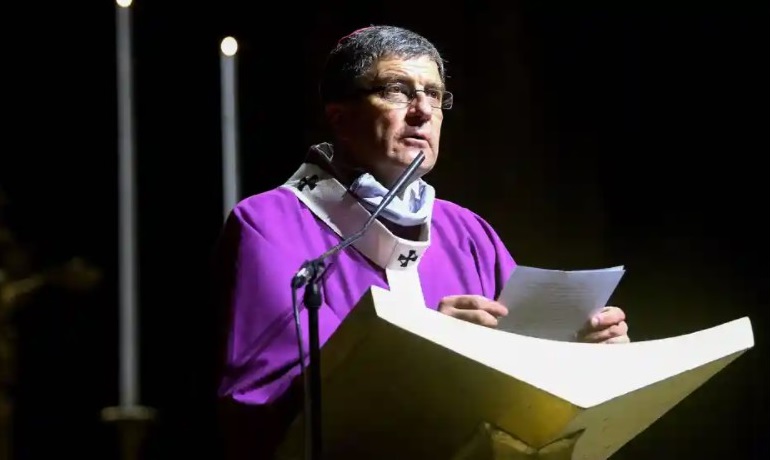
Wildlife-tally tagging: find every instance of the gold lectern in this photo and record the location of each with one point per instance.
(410, 383)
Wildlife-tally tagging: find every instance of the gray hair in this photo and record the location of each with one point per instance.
(355, 55)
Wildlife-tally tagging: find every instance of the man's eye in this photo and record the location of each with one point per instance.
(395, 88)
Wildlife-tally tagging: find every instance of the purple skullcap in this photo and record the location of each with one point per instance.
(353, 33)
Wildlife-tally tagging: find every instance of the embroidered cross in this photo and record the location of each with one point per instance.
(310, 181)
(412, 257)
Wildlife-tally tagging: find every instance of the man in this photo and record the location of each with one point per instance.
(384, 96)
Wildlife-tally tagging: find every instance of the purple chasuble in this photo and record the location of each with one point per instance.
(268, 236)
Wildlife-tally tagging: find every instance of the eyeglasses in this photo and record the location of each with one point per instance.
(401, 94)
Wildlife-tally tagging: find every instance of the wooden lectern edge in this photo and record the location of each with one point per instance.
(738, 332)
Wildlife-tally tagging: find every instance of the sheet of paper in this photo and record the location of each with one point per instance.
(555, 304)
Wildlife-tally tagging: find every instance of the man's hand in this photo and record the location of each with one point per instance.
(473, 308)
(608, 326)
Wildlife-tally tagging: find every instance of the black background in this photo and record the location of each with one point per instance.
(587, 136)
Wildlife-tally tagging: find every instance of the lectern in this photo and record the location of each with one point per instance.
(410, 383)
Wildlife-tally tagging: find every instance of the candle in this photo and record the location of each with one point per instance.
(129, 372)
(230, 177)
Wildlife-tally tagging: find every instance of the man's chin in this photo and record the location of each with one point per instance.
(407, 155)
(399, 166)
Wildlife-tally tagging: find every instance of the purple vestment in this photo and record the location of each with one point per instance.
(267, 238)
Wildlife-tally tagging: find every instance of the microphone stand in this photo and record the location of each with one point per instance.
(309, 275)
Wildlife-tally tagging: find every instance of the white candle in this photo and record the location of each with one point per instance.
(230, 166)
(129, 372)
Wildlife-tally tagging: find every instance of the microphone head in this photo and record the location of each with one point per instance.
(414, 154)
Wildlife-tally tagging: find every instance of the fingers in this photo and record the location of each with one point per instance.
(611, 334)
(607, 317)
(474, 316)
(474, 309)
(621, 339)
(608, 326)
(475, 302)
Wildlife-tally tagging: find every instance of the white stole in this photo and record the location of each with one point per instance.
(330, 201)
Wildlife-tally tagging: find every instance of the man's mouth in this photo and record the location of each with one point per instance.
(416, 137)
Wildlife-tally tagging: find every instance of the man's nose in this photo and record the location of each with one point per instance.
(421, 105)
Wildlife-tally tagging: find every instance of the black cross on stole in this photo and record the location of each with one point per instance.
(405, 259)
(310, 181)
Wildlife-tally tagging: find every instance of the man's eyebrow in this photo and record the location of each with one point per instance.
(403, 78)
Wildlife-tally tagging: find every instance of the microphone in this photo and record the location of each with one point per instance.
(308, 276)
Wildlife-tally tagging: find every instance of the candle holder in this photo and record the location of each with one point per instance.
(129, 416)
(132, 424)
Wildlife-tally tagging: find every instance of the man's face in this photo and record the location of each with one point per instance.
(384, 131)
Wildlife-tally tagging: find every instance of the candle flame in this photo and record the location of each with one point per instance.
(229, 46)
(124, 3)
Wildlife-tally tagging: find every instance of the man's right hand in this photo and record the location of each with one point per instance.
(473, 308)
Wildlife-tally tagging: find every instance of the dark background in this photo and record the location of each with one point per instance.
(587, 136)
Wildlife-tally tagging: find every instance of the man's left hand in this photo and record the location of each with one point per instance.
(607, 326)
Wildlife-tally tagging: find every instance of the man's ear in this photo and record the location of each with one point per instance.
(338, 119)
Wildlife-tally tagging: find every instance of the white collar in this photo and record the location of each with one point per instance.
(328, 199)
